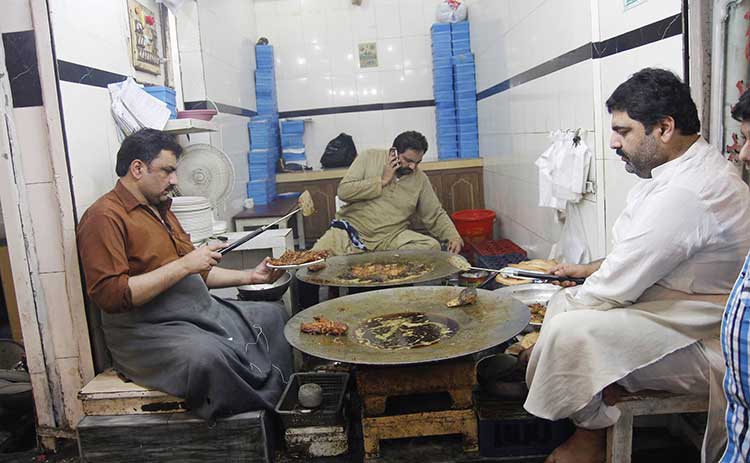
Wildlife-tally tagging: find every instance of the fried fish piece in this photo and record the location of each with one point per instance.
(323, 325)
(467, 296)
(316, 267)
(299, 257)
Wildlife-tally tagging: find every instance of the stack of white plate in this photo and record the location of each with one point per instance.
(195, 216)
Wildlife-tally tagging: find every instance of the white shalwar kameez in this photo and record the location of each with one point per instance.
(649, 318)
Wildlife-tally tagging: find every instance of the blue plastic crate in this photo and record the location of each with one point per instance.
(460, 36)
(440, 27)
(444, 156)
(295, 157)
(441, 63)
(461, 46)
(468, 128)
(444, 96)
(292, 141)
(261, 142)
(463, 106)
(442, 86)
(464, 68)
(466, 94)
(296, 126)
(462, 58)
(462, 26)
(165, 94)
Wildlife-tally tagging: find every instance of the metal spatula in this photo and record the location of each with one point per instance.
(513, 272)
(305, 204)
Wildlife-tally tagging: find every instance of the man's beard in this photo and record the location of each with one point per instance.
(401, 171)
(648, 158)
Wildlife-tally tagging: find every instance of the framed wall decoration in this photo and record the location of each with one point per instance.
(368, 55)
(143, 38)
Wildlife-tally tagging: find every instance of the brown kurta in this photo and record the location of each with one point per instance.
(118, 237)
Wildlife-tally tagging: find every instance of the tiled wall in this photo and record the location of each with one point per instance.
(512, 37)
(216, 41)
(317, 66)
(100, 41)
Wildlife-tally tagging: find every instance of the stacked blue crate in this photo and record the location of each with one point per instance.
(265, 147)
(465, 90)
(445, 106)
(466, 105)
(165, 94)
(292, 144)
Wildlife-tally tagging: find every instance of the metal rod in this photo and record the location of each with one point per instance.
(255, 233)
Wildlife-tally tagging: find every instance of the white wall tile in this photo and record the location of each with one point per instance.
(390, 54)
(55, 292)
(417, 52)
(344, 90)
(100, 40)
(34, 143)
(388, 21)
(615, 20)
(411, 18)
(16, 16)
(45, 217)
(92, 141)
(369, 88)
(193, 80)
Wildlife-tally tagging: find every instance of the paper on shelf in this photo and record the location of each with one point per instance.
(134, 109)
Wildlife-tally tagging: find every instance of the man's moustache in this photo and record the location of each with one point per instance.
(401, 171)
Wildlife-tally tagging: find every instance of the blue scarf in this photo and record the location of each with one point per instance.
(353, 235)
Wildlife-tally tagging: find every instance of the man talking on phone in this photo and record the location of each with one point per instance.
(382, 191)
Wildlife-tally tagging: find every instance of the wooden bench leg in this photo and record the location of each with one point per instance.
(462, 399)
(620, 440)
(374, 405)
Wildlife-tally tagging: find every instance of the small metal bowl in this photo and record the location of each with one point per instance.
(265, 292)
(472, 278)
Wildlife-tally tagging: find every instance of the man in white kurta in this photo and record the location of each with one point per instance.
(648, 316)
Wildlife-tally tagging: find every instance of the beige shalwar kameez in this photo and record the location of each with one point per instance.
(677, 248)
(381, 214)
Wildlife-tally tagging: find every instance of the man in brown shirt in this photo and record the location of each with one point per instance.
(162, 327)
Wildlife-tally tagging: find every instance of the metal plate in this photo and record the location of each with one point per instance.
(338, 265)
(539, 293)
(493, 319)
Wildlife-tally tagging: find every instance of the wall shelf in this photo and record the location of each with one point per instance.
(186, 126)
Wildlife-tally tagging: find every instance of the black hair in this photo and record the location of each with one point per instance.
(652, 94)
(410, 140)
(741, 110)
(145, 145)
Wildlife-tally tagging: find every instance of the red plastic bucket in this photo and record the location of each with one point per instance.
(474, 223)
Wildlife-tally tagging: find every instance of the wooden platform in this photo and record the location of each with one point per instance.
(177, 437)
(377, 385)
(108, 394)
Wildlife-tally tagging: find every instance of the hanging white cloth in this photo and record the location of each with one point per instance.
(563, 170)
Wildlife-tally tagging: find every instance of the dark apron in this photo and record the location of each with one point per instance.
(222, 357)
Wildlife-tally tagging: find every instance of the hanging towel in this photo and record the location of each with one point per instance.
(563, 169)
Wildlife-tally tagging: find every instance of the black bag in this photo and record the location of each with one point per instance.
(339, 152)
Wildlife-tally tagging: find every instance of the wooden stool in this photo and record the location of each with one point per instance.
(109, 394)
(645, 403)
(376, 384)
(463, 422)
